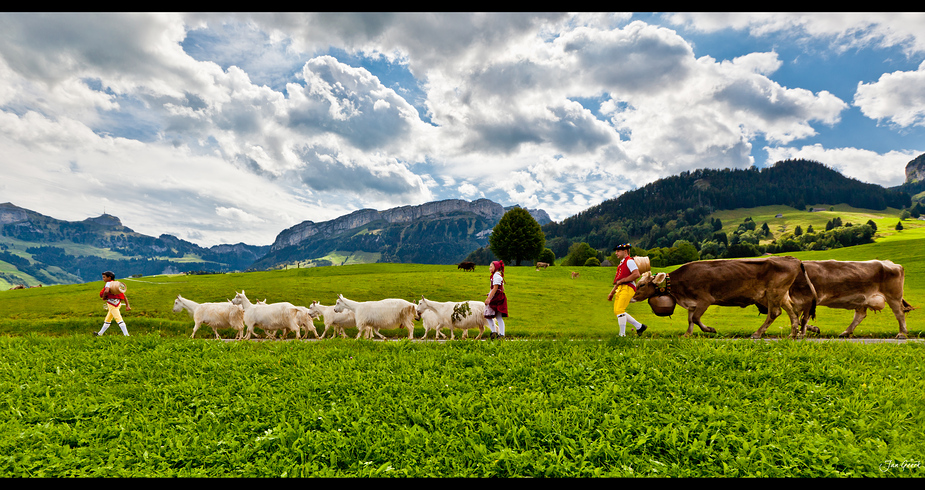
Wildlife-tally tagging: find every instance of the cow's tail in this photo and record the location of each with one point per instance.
(907, 306)
(812, 310)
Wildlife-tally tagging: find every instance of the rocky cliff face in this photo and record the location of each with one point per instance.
(403, 214)
(915, 170)
(11, 213)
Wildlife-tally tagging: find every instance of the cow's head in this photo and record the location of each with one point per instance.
(649, 286)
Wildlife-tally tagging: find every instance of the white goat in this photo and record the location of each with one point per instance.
(274, 316)
(374, 315)
(463, 315)
(215, 315)
(332, 319)
(304, 318)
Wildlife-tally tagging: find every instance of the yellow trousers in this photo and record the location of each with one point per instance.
(113, 313)
(621, 299)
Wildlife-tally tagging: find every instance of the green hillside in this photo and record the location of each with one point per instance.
(444, 239)
(676, 208)
(790, 218)
(37, 249)
(544, 304)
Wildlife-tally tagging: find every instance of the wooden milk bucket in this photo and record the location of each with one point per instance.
(117, 287)
(643, 264)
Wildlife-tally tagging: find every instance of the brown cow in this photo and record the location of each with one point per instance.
(741, 282)
(853, 286)
(466, 266)
(542, 265)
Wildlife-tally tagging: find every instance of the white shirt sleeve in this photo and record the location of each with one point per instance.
(496, 279)
(631, 265)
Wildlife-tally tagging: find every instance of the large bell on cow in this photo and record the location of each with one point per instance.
(662, 305)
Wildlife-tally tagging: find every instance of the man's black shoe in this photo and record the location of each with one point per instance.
(641, 329)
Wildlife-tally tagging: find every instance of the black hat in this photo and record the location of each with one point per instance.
(622, 246)
(109, 274)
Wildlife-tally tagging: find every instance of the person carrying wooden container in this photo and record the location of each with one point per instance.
(113, 293)
(624, 287)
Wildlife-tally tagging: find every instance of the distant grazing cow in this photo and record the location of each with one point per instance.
(541, 265)
(762, 281)
(854, 286)
(574, 275)
(466, 266)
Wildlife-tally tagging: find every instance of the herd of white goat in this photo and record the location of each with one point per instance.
(368, 317)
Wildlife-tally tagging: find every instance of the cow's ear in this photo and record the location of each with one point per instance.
(660, 278)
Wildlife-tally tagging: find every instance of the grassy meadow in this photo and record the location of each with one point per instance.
(543, 304)
(574, 400)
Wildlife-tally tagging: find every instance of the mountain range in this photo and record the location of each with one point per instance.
(35, 248)
(38, 249)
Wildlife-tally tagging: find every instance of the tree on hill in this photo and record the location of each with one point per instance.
(678, 207)
(578, 254)
(482, 256)
(547, 256)
(517, 237)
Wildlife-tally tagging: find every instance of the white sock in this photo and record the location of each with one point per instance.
(500, 324)
(633, 321)
(124, 330)
(103, 330)
(621, 319)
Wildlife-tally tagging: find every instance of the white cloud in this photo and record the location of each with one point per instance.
(886, 169)
(844, 30)
(898, 97)
(218, 125)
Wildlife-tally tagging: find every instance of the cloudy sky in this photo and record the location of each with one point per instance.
(222, 128)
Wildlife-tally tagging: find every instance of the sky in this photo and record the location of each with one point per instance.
(227, 128)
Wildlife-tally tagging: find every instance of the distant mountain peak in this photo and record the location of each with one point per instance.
(915, 170)
(105, 220)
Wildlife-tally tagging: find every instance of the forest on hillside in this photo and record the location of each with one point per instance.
(674, 209)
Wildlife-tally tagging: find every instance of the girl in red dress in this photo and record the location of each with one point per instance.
(496, 302)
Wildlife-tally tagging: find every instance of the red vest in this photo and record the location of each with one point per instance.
(623, 271)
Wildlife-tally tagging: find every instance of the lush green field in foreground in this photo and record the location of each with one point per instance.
(150, 406)
(572, 401)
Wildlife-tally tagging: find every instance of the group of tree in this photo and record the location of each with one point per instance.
(667, 219)
(675, 208)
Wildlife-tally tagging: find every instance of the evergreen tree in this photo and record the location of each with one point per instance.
(517, 237)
